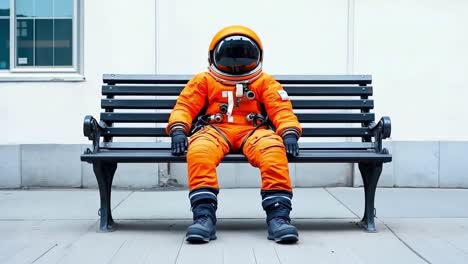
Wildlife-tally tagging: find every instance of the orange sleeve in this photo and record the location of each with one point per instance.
(279, 109)
(190, 102)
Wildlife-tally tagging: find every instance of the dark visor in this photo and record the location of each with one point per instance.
(236, 55)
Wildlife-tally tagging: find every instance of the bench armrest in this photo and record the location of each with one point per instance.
(381, 130)
(93, 129)
(384, 126)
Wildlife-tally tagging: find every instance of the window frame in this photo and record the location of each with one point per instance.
(9, 20)
(76, 50)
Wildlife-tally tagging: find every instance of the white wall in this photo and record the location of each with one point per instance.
(416, 51)
(299, 37)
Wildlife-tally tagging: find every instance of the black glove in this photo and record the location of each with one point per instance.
(290, 142)
(179, 142)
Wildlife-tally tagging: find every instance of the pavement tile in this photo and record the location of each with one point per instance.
(151, 228)
(439, 240)
(134, 242)
(408, 202)
(342, 241)
(321, 241)
(38, 240)
(53, 204)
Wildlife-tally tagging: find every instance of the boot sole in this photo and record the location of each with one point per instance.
(286, 239)
(198, 239)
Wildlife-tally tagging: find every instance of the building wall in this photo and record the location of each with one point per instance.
(415, 50)
(416, 53)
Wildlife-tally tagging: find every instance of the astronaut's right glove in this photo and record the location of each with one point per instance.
(292, 147)
(179, 142)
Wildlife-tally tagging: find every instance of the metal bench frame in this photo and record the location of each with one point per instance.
(369, 153)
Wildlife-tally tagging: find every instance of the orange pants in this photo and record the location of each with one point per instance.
(264, 149)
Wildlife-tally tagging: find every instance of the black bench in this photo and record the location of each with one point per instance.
(328, 106)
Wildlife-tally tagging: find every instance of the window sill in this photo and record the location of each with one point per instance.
(40, 77)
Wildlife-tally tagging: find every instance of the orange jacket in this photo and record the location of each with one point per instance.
(204, 91)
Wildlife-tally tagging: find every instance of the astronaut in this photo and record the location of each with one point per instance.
(235, 106)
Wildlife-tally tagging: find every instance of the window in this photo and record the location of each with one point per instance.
(4, 34)
(44, 36)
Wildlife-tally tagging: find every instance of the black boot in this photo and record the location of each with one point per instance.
(281, 231)
(278, 206)
(203, 228)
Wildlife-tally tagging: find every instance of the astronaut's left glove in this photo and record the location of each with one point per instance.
(292, 147)
(179, 142)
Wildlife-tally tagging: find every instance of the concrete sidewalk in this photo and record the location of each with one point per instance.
(59, 226)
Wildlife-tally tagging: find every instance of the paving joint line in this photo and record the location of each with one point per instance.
(189, 218)
(455, 246)
(117, 251)
(406, 244)
(43, 254)
(338, 200)
(180, 248)
(81, 235)
(222, 255)
(276, 252)
(225, 218)
(255, 257)
(123, 200)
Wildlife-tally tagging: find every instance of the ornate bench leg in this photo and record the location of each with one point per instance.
(370, 173)
(105, 174)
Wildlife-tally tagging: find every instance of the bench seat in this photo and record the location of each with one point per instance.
(161, 153)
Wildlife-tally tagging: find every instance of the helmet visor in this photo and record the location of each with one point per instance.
(236, 55)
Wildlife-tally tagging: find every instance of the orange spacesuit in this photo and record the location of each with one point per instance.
(207, 147)
(235, 101)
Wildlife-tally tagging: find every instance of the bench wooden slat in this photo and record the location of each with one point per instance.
(335, 118)
(328, 90)
(306, 132)
(137, 104)
(284, 79)
(306, 156)
(303, 117)
(141, 90)
(335, 132)
(297, 104)
(332, 104)
(302, 145)
(324, 79)
(135, 117)
(134, 132)
(292, 90)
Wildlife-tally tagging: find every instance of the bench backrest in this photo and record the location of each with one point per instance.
(326, 105)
